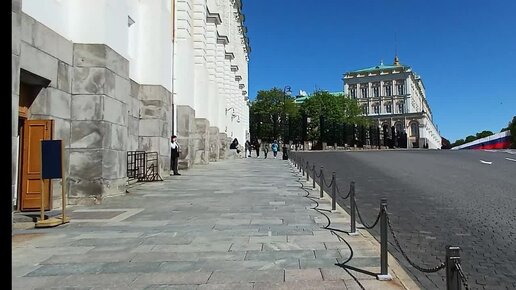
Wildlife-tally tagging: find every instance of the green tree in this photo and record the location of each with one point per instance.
(458, 142)
(483, 134)
(327, 112)
(269, 112)
(470, 138)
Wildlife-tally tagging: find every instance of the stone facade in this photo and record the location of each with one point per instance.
(201, 141)
(214, 144)
(106, 97)
(185, 135)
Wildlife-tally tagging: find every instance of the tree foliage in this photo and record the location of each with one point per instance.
(274, 114)
(330, 109)
(269, 112)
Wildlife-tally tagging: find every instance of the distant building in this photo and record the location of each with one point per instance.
(394, 96)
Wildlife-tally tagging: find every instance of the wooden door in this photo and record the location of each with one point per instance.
(33, 132)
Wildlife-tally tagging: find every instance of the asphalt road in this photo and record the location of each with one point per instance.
(438, 198)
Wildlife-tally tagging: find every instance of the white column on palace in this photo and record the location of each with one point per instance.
(184, 62)
(211, 49)
(201, 104)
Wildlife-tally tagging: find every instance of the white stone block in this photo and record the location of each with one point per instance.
(89, 135)
(87, 107)
(114, 111)
(62, 130)
(15, 75)
(148, 143)
(39, 63)
(122, 89)
(27, 23)
(15, 33)
(118, 137)
(111, 162)
(64, 77)
(58, 103)
(150, 127)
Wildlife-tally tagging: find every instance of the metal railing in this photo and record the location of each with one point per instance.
(455, 277)
(143, 166)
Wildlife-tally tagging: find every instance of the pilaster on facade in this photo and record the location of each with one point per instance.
(184, 15)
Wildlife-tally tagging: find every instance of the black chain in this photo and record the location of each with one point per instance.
(326, 183)
(362, 221)
(340, 194)
(461, 274)
(424, 270)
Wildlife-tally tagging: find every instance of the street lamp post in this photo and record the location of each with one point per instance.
(286, 90)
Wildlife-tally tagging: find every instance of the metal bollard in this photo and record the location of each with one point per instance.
(452, 274)
(352, 206)
(321, 183)
(313, 176)
(300, 164)
(333, 192)
(384, 270)
(307, 172)
(303, 166)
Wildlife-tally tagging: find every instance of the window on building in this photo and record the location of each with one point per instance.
(388, 108)
(401, 107)
(414, 129)
(401, 89)
(399, 127)
(364, 92)
(388, 90)
(376, 92)
(353, 93)
(376, 108)
(365, 109)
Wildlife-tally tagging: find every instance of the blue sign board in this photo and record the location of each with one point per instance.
(51, 159)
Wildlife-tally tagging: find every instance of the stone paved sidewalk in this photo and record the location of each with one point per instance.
(235, 224)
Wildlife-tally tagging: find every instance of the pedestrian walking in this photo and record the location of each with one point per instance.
(275, 148)
(247, 149)
(174, 155)
(257, 147)
(265, 147)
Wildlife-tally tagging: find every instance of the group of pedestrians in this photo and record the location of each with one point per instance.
(256, 146)
(249, 147)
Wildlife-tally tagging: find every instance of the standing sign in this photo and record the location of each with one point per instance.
(52, 167)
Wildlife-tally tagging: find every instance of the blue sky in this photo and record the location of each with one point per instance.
(465, 51)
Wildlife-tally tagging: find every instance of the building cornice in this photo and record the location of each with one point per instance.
(213, 17)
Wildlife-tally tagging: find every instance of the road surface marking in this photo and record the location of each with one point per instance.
(510, 159)
(486, 162)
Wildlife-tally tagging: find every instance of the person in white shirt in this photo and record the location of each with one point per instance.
(174, 154)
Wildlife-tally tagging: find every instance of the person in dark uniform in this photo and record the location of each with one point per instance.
(174, 154)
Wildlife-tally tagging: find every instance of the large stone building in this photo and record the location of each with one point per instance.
(394, 95)
(111, 76)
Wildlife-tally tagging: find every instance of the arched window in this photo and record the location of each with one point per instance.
(399, 127)
(414, 129)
